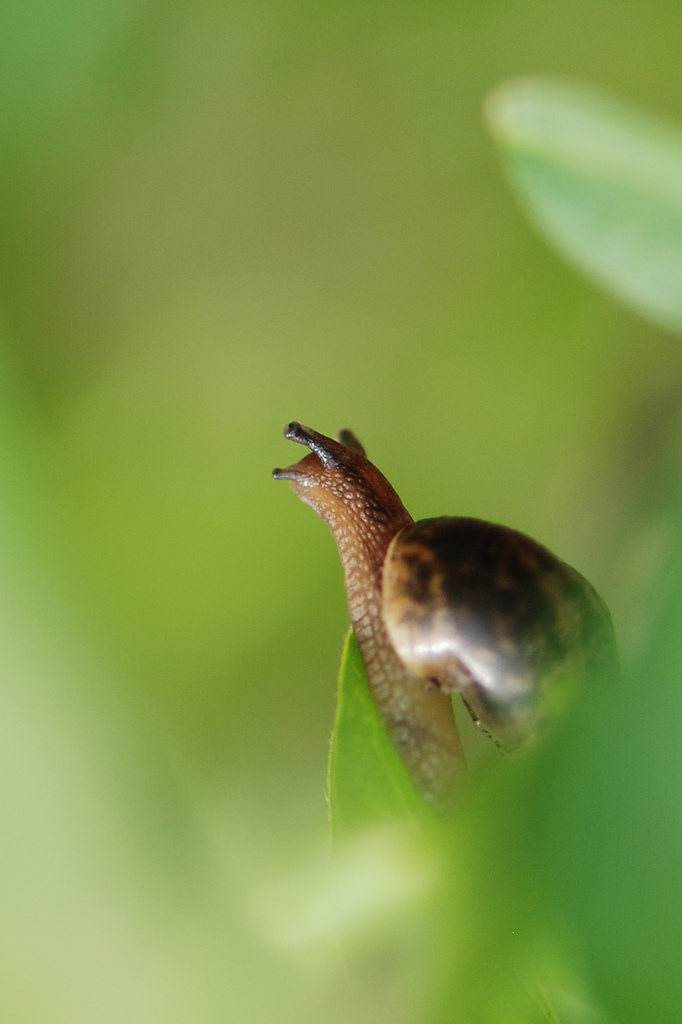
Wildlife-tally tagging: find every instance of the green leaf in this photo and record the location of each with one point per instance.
(368, 782)
(603, 182)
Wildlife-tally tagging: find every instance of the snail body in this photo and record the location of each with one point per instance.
(445, 604)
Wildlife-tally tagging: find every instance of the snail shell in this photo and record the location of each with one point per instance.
(449, 604)
(480, 608)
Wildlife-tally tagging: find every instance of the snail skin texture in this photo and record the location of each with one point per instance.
(447, 604)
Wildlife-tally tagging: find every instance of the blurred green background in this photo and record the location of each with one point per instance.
(216, 218)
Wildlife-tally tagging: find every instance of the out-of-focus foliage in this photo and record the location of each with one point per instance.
(604, 182)
(214, 219)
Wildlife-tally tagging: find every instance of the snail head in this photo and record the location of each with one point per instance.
(336, 478)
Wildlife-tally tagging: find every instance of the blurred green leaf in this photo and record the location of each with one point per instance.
(603, 182)
(612, 801)
(368, 782)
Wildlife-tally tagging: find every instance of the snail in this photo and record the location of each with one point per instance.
(445, 604)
